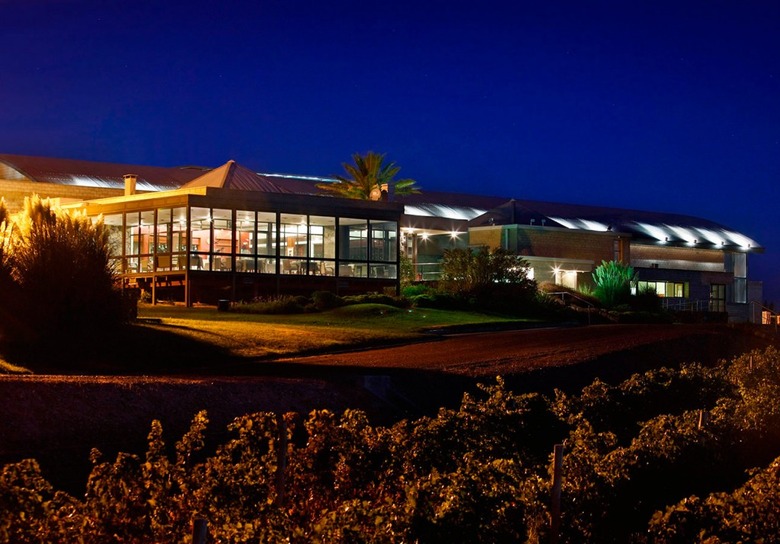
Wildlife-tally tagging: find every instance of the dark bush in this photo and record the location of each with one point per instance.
(325, 300)
(634, 454)
(273, 305)
(438, 301)
(57, 277)
(376, 298)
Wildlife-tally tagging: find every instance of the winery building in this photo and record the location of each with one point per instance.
(195, 234)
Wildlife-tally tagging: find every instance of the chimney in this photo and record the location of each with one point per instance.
(130, 180)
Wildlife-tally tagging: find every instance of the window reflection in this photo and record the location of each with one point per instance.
(251, 242)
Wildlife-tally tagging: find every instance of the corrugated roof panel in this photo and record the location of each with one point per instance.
(98, 174)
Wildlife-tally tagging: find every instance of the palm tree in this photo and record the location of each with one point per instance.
(369, 179)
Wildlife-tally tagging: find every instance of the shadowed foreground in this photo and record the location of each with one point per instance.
(58, 419)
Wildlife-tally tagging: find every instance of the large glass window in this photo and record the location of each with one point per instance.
(384, 241)
(353, 247)
(200, 238)
(245, 249)
(132, 242)
(322, 245)
(740, 290)
(147, 241)
(739, 261)
(113, 224)
(266, 242)
(250, 241)
(665, 288)
(178, 238)
(163, 239)
(293, 243)
(222, 221)
(294, 235)
(353, 239)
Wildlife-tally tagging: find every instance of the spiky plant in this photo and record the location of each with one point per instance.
(613, 282)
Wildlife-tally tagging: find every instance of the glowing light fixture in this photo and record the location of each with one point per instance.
(596, 226)
(683, 233)
(565, 222)
(739, 239)
(710, 235)
(655, 231)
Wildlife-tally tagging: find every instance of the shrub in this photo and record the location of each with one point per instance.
(475, 473)
(375, 298)
(284, 304)
(56, 268)
(407, 274)
(647, 300)
(439, 301)
(748, 514)
(479, 274)
(613, 281)
(416, 289)
(325, 300)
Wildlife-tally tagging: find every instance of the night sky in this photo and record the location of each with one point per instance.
(665, 106)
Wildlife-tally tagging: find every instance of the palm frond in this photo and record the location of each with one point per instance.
(366, 177)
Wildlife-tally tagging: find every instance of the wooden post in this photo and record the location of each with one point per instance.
(703, 416)
(200, 531)
(555, 507)
(281, 458)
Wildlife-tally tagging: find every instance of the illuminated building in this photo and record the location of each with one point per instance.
(199, 234)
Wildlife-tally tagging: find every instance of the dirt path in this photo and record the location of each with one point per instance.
(518, 351)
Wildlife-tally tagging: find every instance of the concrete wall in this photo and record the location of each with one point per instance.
(14, 192)
(679, 258)
(551, 242)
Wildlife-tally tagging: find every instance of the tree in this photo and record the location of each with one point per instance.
(369, 178)
(497, 280)
(613, 281)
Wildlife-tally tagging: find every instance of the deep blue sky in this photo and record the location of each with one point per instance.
(661, 105)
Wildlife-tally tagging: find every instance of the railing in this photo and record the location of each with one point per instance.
(773, 316)
(427, 271)
(677, 305)
(564, 294)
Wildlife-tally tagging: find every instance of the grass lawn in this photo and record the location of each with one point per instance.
(264, 336)
(174, 339)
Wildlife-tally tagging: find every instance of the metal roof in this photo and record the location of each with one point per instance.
(652, 227)
(234, 176)
(94, 174)
(427, 208)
